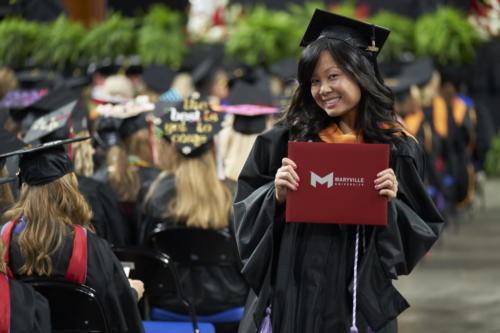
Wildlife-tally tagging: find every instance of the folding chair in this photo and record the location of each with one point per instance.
(74, 307)
(194, 246)
(160, 277)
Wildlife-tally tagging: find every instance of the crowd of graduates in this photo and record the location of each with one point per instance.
(152, 148)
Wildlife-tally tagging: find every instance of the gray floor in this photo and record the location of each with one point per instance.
(456, 288)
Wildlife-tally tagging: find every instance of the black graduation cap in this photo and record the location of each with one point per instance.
(285, 69)
(43, 163)
(158, 78)
(399, 77)
(190, 124)
(16, 101)
(117, 121)
(38, 79)
(50, 123)
(358, 34)
(251, 103)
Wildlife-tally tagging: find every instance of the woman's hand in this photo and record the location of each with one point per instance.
(387, 184)
(138, 286)
(286, 179)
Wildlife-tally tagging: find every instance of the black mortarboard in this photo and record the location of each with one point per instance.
(158, 78)
(251, 103)
(285, 69)
(49, 102)
(16, 101)
(122, 120)
(191, 125)
(38, 79)
(358, 34)
(399, 77)
(50, 123)
(44, 163)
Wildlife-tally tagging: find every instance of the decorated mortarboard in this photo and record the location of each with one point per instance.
(16, 101)
(43, 163)
(158, 78)
(50, 123)
(125, 119)
(191, 124)
(360, 35)
(9, 143)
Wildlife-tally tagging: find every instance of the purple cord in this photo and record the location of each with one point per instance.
(266, 323)
(354, 329)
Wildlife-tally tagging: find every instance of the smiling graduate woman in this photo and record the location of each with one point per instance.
(302, 275)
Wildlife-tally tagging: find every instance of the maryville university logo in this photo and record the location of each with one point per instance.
(330, 180)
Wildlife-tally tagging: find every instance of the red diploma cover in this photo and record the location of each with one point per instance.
(337, 183)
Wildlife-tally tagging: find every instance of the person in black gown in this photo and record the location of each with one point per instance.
(28, 311)
(302, 274)
(47, 223)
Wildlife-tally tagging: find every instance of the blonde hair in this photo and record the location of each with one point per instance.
(82, 156)
(6, 196)
(184, 84)
(202, 200)
(48, 209)
(123, 177)
(138, 144)
(119, 85)
(167, 158)
(8, 81)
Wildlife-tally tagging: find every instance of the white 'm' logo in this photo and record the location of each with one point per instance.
(326, 179)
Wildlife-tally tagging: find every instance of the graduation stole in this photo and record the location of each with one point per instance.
(77, 268)
(4, 304)
(333, 134)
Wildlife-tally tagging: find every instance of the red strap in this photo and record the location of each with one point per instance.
(77, 269)
(6, 235)
(4, 304)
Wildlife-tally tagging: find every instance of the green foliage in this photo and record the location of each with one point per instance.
(492, 162)
(161, 38)
(111, 38)
(262, 37)
(301, 15)
(401, 37)
(346, 8)
(446, 36)
(58, 43)
(17, 40)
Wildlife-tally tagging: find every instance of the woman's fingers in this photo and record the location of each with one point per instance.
(286, 179)
(387, 184)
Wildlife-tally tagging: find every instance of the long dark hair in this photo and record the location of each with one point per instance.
(305, 118)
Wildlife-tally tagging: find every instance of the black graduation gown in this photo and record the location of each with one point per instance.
(146, 176)
(29, 310)
(104, 274)
(210, 289)
(304, 270)
(108, 217)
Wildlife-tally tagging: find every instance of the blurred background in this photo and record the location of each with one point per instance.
(455, 287)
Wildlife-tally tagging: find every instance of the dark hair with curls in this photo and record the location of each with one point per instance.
(305, 118)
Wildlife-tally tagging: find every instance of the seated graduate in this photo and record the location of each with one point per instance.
(9, 142)
(250, 108)
(123, 130)
(194, 196)
(22, 309)
(50, 235)
(70, 120)
(303, 276)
